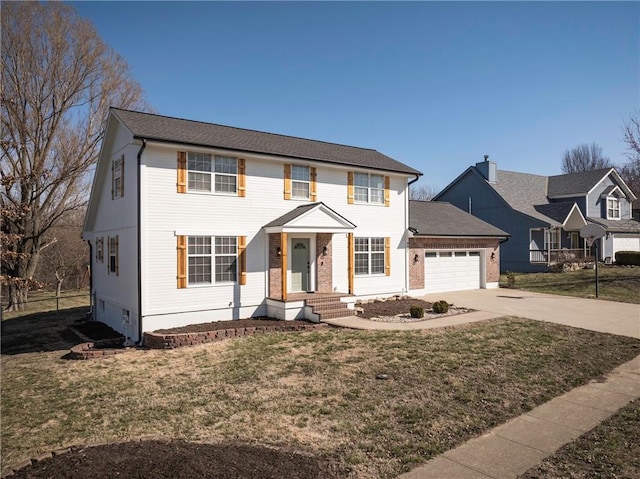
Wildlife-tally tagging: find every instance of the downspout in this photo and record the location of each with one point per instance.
(406, 221)
(139, 210)
(92, 306)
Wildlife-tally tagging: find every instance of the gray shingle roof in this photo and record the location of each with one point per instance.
(556, 211)
(522, 191)
(618, 226)
(436, 218)
(189, 132)
(575, 183)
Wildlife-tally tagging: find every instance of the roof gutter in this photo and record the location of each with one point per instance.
(139, 211)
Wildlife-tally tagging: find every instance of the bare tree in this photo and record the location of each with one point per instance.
(67, 258)
(584, 157)
(58, 80)
(422, 192)
(630, 171)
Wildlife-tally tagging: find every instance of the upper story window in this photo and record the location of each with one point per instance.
(206, 172)
(300, 181)
(117, 178)
(369, 188)
(613, 208)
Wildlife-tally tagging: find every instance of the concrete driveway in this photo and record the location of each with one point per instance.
(603, 316)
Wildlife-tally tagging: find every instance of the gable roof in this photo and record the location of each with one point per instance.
(188, 132)
(436, 218)
(575, 183)
(311, 217)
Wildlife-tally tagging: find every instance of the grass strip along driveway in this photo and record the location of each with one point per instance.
(316, 392)
(615, 283)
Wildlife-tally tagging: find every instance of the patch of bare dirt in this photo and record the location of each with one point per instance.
(182, 460)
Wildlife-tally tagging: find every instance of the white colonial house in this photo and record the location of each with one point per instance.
(193, 222)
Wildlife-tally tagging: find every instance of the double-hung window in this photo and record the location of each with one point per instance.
(219, 172)
(300, 181)
(112, 244)
(369, 188)
(613, 208)
(369, 256)
(552, 239)
(212, 259)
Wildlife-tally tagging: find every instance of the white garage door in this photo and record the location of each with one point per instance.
(451, 270)
(625, 243)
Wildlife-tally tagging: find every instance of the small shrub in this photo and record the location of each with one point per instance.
(628, 258)
(440, 307)
(416, 311)
(511, 279)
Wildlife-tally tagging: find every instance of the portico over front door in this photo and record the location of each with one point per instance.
(300, 260)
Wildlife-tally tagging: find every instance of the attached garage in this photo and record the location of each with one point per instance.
(451, 250)
(451, 271)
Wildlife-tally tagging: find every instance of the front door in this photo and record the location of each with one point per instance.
(299, 264)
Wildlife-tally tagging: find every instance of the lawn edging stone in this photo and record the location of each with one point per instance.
(153, 340)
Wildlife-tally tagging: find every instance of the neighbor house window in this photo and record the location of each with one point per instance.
(613, 208)
(205, 172)
(117, 178)
(369, 188)
(552, 239)
(113, 254)
(212, 259)
(369, 256)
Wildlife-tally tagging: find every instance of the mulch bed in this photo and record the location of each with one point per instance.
(96, 330)
(391, 307)
(181, 460)
(236, 323)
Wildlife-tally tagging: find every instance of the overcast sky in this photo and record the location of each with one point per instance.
(435, 85)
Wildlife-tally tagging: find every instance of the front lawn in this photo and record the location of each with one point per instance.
(615, 283)
(315, 392)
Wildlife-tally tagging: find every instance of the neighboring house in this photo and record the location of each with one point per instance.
(544, 214)
(192, 222)
(450, 249)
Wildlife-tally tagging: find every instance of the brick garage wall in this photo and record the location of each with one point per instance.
(419, 245)
(275, 270)
(324, 269)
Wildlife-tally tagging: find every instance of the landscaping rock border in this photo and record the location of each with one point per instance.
(153, 340)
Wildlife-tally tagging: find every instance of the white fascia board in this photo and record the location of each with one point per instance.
(581, 218)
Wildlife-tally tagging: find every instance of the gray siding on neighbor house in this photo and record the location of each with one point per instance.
(598, 206)
(487, 205)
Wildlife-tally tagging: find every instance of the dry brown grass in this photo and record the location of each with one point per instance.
(314, 391)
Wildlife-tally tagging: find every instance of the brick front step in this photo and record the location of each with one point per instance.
(335, 314)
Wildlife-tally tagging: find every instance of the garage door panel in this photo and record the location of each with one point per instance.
(452, 271)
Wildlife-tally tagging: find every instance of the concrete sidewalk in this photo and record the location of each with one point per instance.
(522, 443)
(355, 322)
